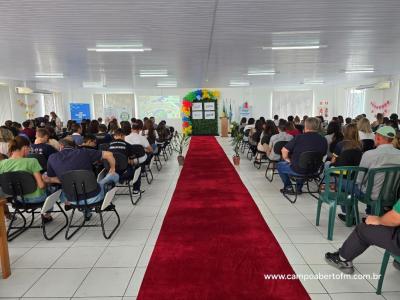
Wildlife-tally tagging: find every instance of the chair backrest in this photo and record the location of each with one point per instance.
(388, 178)
(310, 162)
(349, 157)
(278, 147)
(138, 150)
(40, 158)
(77, 184)
(344, 178)
(121, 162)
(17, 183)
(104, 146)
(368, 144)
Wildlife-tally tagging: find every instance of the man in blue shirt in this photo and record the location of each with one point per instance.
(311, 140)
(69, 158)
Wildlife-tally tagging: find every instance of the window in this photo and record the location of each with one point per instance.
(286, 103)
(355, 102)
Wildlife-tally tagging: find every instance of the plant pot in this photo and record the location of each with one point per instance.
(236, 160)
(181, 160)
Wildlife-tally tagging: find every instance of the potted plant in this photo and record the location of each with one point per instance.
(236, 140)
(182, 143)
(234, 129)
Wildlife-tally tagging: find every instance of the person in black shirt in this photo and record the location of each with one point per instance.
(102, 136)
(41, 145)
(118, 145)
(311, 140)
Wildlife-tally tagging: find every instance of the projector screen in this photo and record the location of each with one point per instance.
(160, 107)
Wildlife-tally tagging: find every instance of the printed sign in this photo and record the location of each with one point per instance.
(197, 106)
(209, 106)
(209, 115)
(197, 115)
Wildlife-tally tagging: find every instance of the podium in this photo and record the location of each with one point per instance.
(224, 126)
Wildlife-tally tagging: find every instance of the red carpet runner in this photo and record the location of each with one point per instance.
(214, 243)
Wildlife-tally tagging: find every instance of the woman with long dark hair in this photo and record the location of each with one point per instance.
(333, 136)
(150, 133)
(270, 129)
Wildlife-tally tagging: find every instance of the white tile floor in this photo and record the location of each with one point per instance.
(89, 267)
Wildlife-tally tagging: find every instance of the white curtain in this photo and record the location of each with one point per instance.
(60, 107)
(49, 104)
(5, 111)
(286, 103)
(355, 102)
(98, 102)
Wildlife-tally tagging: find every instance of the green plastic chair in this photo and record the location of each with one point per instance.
(384, 265)
(389, 192)
(345, 179)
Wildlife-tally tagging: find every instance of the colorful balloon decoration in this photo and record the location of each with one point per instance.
(187, 102)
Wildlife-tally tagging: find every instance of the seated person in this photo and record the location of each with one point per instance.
(350, 141)
(269, 130)
(76, 134)
(18, 150)
(282, 136)
(140, 142)
(162, 131)
(69, 158)
(41, 145)
(102, 136)
(291, 129)
(89, 142)
(311, 140)
(385, 155)
(28, 130)
(377, 231)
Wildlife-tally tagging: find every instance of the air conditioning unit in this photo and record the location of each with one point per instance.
(378, 86)
(23, 91)
(29, 91)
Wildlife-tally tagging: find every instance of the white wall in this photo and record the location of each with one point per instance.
(259, 98)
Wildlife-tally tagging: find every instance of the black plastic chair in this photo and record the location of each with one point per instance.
(41, 159)
(311, 163)
(157, 159)
(272, 163)
(125, 180)
(18, 184)
(77, 185)
(146, 171)
(367, 145)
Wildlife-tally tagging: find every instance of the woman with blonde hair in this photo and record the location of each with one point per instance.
(5, 137)
(365, 130)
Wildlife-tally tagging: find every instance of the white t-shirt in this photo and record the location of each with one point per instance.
(366, 136)
(138, 139)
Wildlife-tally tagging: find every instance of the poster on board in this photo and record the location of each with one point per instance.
(197, 115)
(209, 106)
(209, 115)
(197, 106)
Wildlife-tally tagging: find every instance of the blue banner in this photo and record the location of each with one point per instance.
(80, 111)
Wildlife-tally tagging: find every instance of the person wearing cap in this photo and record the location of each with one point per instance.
(384, 155)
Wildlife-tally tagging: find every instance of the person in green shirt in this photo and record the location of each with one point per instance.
(18, 150)
(378, 231)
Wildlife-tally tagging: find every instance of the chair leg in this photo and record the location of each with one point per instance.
(356, 213)
(19, 229)
(349, 215)
(270, 179)
(331, 222)
(79, 227)
(49, 238)
(100, 212)
(149, 175)
(384, 265)
(319, 206)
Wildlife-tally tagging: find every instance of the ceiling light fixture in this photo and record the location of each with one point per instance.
(153, 73)
(357, 71)
(304, 47)
(166, 84)
(93, 84)
(235, 83)
(260, 73)
(307, 81)
(119, 49)
(50, 75)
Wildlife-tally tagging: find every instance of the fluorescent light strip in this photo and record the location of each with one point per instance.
(261, 73)
(153, 75)
(166, 85)
(307, 47)
(313, 82)
(239, 83)
(359, 71)
(119, 49)
(49, 75)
